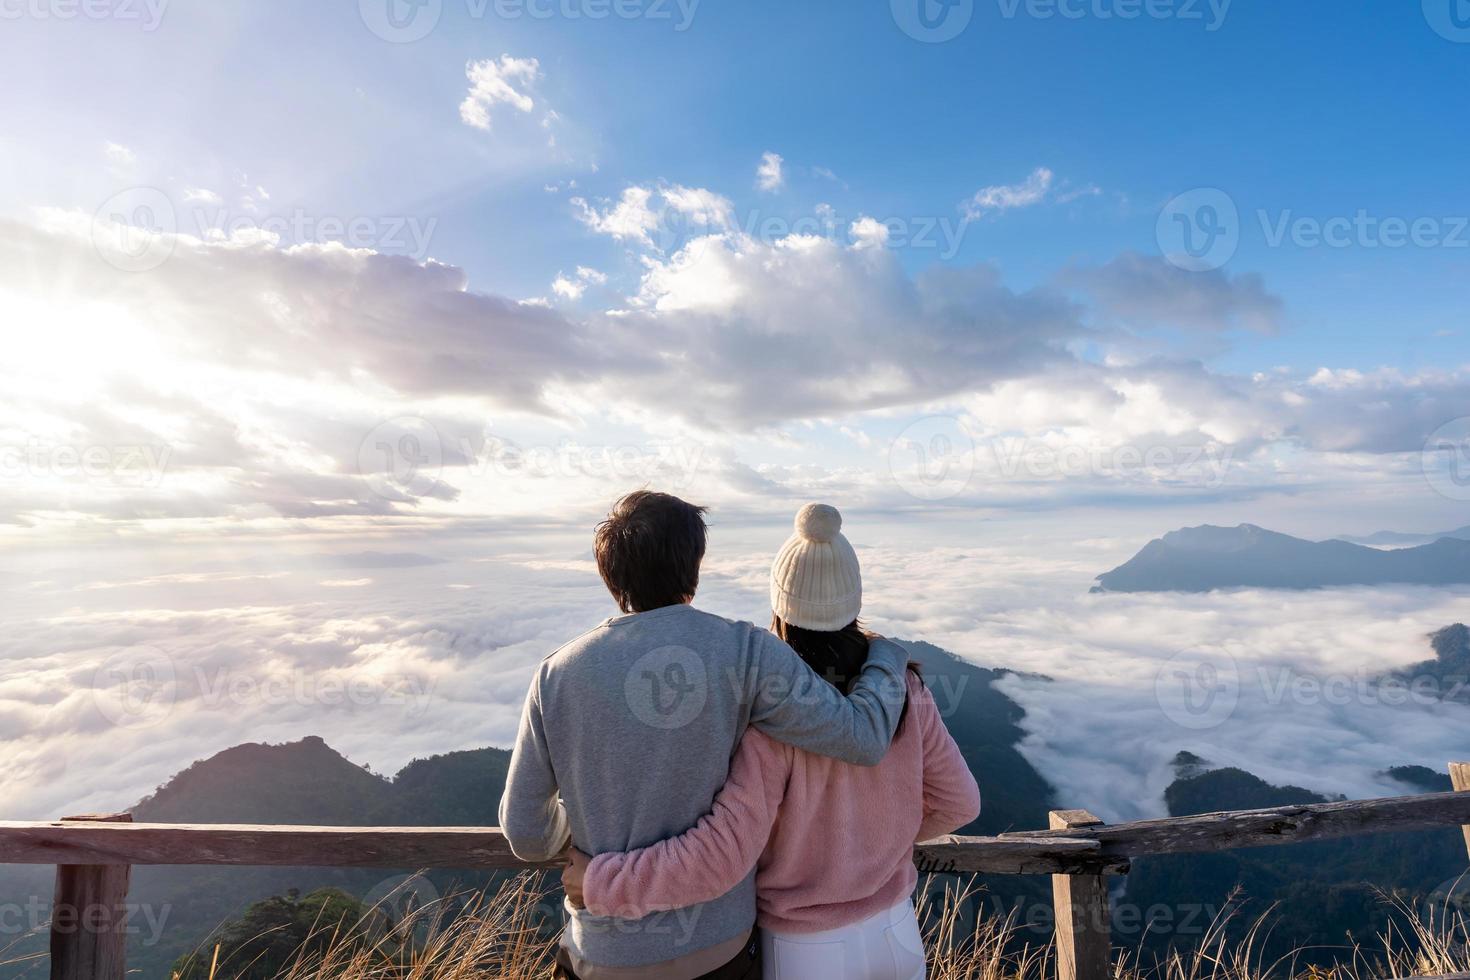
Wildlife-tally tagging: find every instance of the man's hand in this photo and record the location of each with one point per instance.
(573, 875)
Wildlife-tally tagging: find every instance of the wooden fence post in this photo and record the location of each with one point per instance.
(89, 917)
(1084, 930)
(1460, 778)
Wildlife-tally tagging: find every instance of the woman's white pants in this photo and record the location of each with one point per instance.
(886, 946)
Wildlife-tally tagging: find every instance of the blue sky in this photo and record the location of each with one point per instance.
(1075, 125)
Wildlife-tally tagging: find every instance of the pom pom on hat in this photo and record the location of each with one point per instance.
(818, 522)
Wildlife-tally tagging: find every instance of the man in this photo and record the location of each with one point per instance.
(628, 732)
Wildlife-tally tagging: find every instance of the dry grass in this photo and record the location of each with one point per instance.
(500, 938)
(505, 936)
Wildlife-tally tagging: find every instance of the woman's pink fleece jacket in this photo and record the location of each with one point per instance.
(834, 841)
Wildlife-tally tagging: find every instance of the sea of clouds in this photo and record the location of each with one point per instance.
(121, 665)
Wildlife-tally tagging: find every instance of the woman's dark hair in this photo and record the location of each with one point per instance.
(649, 549)
(837, 656)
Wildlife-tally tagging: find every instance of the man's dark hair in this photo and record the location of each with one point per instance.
(649, 550)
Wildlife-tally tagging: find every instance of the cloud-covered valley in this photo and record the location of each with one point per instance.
(425, 645)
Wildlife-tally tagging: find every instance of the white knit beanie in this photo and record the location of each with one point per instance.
(816, 583)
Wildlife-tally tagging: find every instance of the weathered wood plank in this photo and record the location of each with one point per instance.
(171, 844)
(1274, 825)
(1460, 779)
(1084, 929)
(1092, 850)
(1014, 855)
(89, 917)
(438, 847)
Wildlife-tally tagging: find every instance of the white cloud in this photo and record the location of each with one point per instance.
(643, 214)
(503, 82)
(201, 195)
(572, 288)
(769, 176)
(1005, 197)
(631, 219)
(119, 156)
(305, 346)
(869, 233)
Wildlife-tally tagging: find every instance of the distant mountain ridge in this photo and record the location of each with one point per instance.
(1205, 558)
(1402, 539)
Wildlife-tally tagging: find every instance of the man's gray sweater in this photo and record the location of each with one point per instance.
(627, 736)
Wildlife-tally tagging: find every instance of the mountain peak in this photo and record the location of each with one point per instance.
(1208, 557)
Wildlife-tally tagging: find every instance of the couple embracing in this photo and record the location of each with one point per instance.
(709, 775)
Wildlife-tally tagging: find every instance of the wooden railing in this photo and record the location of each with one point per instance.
(94, 854)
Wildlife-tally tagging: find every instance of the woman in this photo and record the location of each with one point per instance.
(832, 843)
